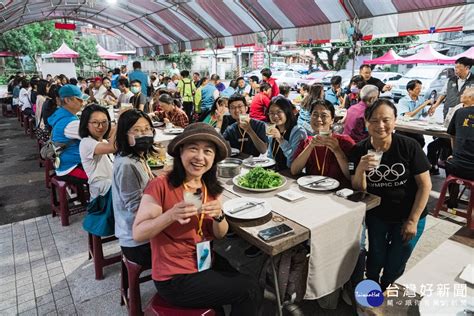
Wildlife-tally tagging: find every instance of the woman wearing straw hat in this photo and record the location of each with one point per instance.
(181, 213)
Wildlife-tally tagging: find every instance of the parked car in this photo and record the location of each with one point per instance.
(315, 77)
(300, 68)
(433, 78)
(346, 78)
(278, 65)
(253, 73)
(387, 78)
(290, 77)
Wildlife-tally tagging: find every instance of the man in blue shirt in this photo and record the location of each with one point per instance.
(138, 74)
(413, 104)
(334, 95)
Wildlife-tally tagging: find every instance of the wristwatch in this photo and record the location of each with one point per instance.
(219, 218)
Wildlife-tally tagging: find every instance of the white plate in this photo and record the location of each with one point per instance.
(235, 180)
(234, 152)
(263, 162)
(174, 131)
(329, 184)
(290, 195)
(250, 213)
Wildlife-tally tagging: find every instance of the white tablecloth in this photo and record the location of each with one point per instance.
(335, 224)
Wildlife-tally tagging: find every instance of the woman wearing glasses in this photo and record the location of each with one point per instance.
(96, 147)
(326, 153)
(134, 141)
(285, 136)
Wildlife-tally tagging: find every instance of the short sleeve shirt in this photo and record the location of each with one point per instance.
(174, 249)
(394, 180)
(97, 167)
(331, 166)
(462, 128)
(242, 141)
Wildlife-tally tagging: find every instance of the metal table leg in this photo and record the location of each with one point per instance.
(277, 288)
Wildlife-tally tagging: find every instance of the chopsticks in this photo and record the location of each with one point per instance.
(316, 182)
(246, 206)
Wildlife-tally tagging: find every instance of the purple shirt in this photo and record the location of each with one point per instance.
(354, 126)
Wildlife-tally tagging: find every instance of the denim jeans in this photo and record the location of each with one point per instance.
(387, 250)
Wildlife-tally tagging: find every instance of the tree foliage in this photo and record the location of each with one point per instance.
(337, 56)
(41, 37)
(183, 60)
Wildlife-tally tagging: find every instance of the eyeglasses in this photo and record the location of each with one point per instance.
(322, 116)
(141, 131)
(236, 107)
(277, 113)
(97, 124)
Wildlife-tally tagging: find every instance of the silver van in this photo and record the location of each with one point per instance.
(433, 78)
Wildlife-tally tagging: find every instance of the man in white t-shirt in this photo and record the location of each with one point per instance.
(126, 94)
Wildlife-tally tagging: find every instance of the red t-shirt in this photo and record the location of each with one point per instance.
(173, 251)
(259, 107)
(331, 167)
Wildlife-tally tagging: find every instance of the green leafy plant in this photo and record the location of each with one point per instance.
(260, 178)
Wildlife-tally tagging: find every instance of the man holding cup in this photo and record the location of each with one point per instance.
(247, 135)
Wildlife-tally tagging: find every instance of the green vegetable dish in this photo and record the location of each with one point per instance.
(259, 178)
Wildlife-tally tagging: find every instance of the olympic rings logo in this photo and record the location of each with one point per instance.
(384, 172)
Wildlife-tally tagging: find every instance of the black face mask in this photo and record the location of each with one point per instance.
(143, 143)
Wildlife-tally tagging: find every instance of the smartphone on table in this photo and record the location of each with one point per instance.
(275, 232)
(357, 196)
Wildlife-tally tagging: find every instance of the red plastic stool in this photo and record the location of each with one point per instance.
(158, 307)
(60, 202)
(97, 254)
(441, 205)
(130, 286)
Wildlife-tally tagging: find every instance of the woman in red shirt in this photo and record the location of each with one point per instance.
(181, 212)
(326, 153)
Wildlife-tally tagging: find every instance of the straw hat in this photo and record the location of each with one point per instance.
(200, 132)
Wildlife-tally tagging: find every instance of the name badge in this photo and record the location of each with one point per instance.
(203, 253)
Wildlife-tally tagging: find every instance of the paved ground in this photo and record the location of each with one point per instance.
(44, 267)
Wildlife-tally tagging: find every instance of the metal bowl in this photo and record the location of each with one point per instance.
(229, 168)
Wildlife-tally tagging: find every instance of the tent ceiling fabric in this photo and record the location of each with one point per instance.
(171, 25)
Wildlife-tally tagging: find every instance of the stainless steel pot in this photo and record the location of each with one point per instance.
(229, 168)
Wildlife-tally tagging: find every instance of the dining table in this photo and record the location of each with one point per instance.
(424, 127)
(327, 211)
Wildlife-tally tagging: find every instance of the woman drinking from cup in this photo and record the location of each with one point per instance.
(401, 178)
(285, 135)
(181, 212)
(131, 173)
(215, 117)
(324, 154)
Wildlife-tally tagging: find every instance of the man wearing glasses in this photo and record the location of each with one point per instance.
(247, 135)
(65, 130)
